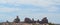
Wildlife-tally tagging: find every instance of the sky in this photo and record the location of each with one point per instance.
(37, 9)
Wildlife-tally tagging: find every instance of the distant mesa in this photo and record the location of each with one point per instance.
(17, 20)
(28, 20)
(45, 20)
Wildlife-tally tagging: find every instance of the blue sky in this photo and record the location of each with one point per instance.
(36, 9)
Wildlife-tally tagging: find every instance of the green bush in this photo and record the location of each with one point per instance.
(51, 24)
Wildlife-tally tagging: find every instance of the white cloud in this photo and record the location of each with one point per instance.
(34, 2)
(52, 9)
(8, 9)
(43, 3)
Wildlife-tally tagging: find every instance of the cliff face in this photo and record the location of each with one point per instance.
(17, 20)
(44, 20)
(27, 21)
